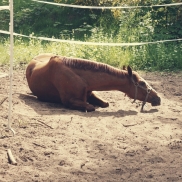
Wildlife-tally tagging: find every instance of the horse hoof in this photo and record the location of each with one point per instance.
(90, 108)
(105, 104)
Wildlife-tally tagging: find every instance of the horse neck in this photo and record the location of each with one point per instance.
(99, 76)
(106, 81)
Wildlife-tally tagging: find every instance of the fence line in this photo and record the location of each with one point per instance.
(105, 7)
(90, 43)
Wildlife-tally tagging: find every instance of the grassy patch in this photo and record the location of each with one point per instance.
(161, 56)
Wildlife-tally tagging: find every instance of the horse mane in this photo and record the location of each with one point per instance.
(84, 64)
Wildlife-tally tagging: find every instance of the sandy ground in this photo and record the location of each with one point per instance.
(112, 144)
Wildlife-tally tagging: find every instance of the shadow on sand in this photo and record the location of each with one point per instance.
(47, 108)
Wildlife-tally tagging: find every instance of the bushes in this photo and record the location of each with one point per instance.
(161, 56)
(126, 25)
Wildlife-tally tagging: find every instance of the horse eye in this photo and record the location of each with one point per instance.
(142, 83)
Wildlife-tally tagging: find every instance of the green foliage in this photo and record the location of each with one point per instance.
(48, 20)
(166, 56)
(161, 56)
(24, 51)
(126, 25)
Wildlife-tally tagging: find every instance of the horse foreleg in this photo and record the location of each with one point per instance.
(71, 87)
(73, 92)
(96, 100)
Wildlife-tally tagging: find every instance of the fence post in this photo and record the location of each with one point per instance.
(11, 66)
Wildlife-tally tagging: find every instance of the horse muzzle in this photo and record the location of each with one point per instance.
(156, 101)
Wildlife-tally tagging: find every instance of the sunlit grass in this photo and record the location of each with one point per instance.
(161, 56)
(24, 51)
(132, 26)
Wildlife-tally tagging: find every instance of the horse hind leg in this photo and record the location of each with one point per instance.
(80, 105)
(96, 100)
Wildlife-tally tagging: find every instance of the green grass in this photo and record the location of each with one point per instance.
(160, 56)
(24, 51)
(94, 26)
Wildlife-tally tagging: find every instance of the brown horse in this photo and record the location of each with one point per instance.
(72, 81)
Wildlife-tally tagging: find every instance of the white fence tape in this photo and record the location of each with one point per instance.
(90, 43)
(105, 7)
(4, 7)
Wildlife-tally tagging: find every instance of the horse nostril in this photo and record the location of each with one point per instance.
(159, 100)
(156, 101)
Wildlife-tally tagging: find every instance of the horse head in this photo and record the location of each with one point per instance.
(139, 89)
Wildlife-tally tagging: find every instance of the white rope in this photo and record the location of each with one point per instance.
(91, 43)
(105, 7)
(4, 7)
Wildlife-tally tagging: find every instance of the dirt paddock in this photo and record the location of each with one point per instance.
(114, 144)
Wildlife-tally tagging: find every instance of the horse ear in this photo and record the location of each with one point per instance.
(129, 71)
(124, 67)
